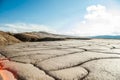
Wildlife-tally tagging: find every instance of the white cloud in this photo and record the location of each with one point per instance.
(23, 27)
(98, 21)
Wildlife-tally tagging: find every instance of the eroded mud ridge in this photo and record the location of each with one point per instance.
(95, 59)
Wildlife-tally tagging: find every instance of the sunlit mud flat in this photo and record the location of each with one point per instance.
(95, 59)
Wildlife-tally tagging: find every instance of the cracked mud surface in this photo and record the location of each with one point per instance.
(96, 59)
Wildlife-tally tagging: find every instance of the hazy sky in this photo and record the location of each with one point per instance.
(74, 17)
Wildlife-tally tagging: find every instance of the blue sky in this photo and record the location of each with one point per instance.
(54, 15)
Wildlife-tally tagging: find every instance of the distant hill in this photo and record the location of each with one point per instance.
(7, 38)
(107, 37)
(43, 36)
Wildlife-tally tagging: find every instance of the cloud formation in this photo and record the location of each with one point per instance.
(98, 21)
(23, 27)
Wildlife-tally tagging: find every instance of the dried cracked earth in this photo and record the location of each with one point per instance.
(95, 59)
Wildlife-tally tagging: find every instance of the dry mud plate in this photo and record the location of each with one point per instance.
(95, 59)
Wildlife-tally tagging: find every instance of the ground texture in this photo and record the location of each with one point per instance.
(96, 59)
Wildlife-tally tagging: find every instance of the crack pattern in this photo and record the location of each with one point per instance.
(29, 51)
(86, 62)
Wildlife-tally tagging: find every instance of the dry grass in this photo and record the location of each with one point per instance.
(6, 38)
